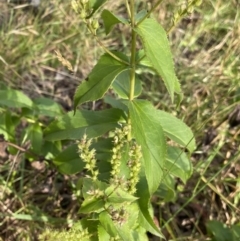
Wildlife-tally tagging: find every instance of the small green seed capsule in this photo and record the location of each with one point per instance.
(84, 2)
(198, 3)
(190, 9)
(83, 14)
(95, 24)
(75, 6)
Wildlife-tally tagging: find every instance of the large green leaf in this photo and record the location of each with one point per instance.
(178, 164)
(236, 231)
(99, 80)
(114, 228)
(14, 99)
(219, 231)
(102, 234)
(89, 185)
(116, 196)
(51, 149)
(35, 136)
(93, 123)
(121, 85)
(145, 219)
(110, 19)
(47, 107)
(91, 225)
(176, 130)
(92, 204)
(108, 224)
(8, 124)
(158, 52)
(149, 134)
(68, 161)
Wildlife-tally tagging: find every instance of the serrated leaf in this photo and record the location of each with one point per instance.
(176, 130)
(118, 195)
(121, 85)
(90, 185)
(107, 223)
(102, 234)
(92, 204)
(178, 164)
(14, 99)
(110, 19)
(47, 107)
(157, 50)
(68, 161)
(73, 127)
(133, 211)
(140, 234)
(91, 226)
(149, 134)
(145, 219)
(113, 228)
(99, 80)
(124, 232)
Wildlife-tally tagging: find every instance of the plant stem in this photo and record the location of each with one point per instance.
(133, 51)
(132, 61)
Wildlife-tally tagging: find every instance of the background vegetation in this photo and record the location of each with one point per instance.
(206, 47)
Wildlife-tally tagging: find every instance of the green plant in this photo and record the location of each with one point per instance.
(221, 232)
(139, 130)
(30, 118)
(123, 150)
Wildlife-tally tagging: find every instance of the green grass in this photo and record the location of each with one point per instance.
(206, 48)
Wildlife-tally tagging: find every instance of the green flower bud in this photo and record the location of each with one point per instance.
(95, 24)
(83, 14)
(83, 156)
(84, 2)
(198, 3)
(190, 9)
(75, 6)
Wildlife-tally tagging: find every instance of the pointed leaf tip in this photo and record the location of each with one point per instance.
(99, 80)
(157, 49)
